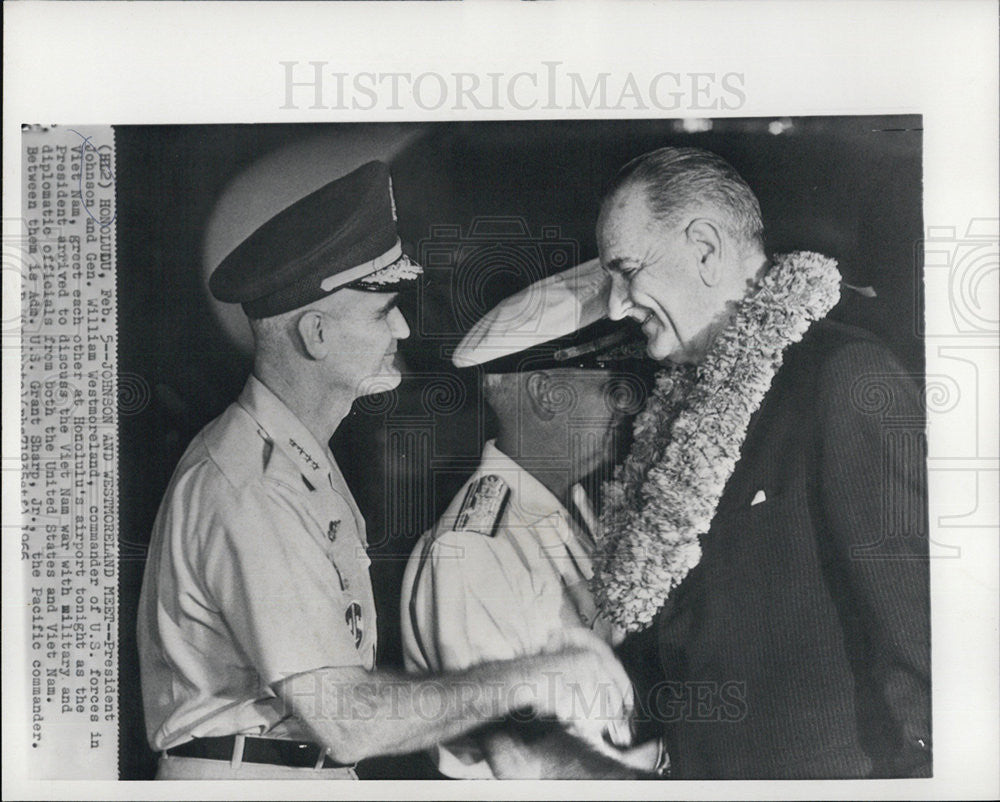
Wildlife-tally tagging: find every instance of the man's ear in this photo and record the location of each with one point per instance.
(706, 238)
(539, 390)
(314, 334)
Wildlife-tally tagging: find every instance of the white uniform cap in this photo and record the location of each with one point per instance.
(553, 307)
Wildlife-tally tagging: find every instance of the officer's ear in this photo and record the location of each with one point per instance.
(314, 332)
(542, 394)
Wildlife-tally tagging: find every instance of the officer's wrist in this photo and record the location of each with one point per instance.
(524, 692)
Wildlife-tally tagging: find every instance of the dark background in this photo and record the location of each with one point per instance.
(470, 196)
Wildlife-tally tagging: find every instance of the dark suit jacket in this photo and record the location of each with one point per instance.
(799, 646)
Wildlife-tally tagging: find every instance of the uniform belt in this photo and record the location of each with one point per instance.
(275, 751)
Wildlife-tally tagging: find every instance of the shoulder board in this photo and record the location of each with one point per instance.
(483, 506)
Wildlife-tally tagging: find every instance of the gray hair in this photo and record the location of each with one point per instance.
(268, 329)
(275, 337)
(678, 180)
(502, 390)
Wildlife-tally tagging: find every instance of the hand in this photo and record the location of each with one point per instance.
(645, 756)
(588, 689)
(559, 755)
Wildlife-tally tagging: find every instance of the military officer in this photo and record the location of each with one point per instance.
(507, 566)
(256, 621)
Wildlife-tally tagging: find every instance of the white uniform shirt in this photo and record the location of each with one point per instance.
(257, 571)
(470, 597)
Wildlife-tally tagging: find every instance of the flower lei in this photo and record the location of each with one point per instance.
(688, 438)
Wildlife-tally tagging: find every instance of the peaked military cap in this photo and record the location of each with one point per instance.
(341, 235)
(557, 322)
(555, 306)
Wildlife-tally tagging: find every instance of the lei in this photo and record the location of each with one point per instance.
(687, 441)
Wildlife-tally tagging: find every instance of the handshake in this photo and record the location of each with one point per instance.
(582, 706)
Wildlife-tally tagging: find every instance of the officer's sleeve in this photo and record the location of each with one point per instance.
(467, 602)
(276, 589)
(874, 498)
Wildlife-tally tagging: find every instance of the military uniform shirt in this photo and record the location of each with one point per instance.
(257, 571)
(471, 596)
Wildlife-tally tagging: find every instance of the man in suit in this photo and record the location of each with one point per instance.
(766, 542)
(798, 646)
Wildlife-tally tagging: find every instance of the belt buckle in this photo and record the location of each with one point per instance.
(298, 754)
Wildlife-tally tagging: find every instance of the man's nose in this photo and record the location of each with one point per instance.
(618, 301)
(398, 326)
